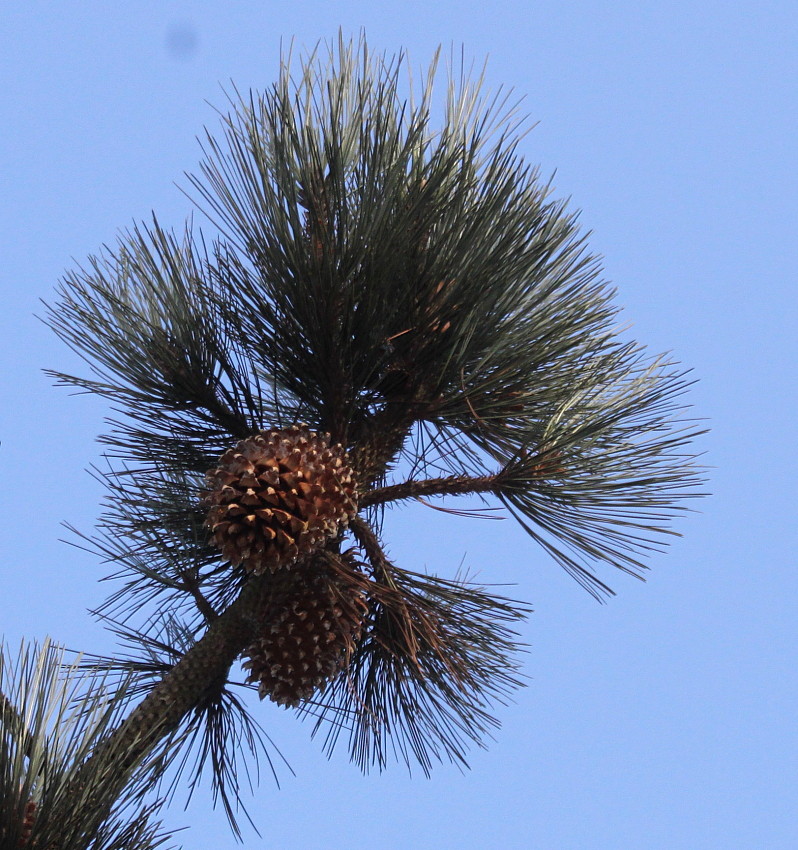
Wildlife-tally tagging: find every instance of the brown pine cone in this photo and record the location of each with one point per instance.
(309, 631)
(277, 496)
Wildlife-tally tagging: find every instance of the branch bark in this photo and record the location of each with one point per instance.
(452, 485)
(185, 686)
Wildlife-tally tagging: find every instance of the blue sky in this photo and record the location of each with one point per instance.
(664, 719)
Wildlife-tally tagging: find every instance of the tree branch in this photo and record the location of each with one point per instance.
(365, 536)
(452, 485)
(185, 686)
(205, 608)
(378, 440)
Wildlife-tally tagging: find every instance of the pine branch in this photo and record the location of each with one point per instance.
(377, 440)
(366, 537)
(205, 608)
(50, 796)
(188, 682)
(453, 485)
(416, 294)
(434, 657)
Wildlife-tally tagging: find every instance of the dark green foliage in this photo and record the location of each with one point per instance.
(417, 292)
(372, 264)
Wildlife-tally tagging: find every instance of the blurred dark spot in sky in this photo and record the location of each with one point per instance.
(181, 40)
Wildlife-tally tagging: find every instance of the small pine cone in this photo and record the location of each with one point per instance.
(309, 632)
(279, 495)
(27, 823)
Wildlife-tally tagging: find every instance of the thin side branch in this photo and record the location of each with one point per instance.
(451, 485)
(203, 605)
(365, 536)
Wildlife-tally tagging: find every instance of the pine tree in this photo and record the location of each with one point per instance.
(388, 310)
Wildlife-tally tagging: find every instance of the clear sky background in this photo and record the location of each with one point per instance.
(664, 719)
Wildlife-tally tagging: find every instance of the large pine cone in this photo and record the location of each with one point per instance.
(309, 631)
(279, 495)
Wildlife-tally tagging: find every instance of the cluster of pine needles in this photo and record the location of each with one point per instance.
(416, 293)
